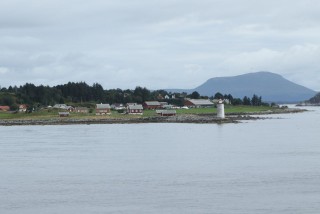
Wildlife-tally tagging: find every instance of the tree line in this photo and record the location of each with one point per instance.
(82, 94)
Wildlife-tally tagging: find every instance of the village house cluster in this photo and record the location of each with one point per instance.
(161, 108)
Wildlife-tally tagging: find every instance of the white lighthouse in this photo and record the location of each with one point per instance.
(220, 109)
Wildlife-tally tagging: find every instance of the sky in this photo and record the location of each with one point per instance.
(157, 43)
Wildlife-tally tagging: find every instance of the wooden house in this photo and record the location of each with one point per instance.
(102, 109)
(23, 108)
(83, 110)
(135, 109)
(151, 105)
(117, 106)
(4, 108)
(198, 103)
(163, 104)
(63, 107)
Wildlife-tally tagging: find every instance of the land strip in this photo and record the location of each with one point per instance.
(231, 117)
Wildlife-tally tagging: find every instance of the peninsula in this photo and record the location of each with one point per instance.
(200, 115)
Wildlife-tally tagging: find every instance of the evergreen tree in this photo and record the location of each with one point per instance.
(218, 96)
(246, 101)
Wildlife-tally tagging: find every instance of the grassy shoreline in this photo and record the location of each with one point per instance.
(234, 114)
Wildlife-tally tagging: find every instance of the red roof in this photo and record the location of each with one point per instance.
(4, 108)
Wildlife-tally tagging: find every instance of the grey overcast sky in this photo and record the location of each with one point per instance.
(157, 43)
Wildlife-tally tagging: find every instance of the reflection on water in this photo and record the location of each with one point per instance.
(265, 166)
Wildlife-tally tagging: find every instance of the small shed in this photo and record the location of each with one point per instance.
(166, 112)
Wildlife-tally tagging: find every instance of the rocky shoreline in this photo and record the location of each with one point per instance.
(172, 119)
(186, 118)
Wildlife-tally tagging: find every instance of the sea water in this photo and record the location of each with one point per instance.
(264, 166)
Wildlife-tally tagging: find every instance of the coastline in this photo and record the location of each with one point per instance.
(184, 118)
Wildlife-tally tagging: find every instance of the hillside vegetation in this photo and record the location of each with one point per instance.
(315, 99)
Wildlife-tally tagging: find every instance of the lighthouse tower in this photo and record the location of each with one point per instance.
(220, 110)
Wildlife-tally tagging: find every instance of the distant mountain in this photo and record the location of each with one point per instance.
(272, 87)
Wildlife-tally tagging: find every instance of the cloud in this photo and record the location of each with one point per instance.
(158, 44)
(298, 63)
(3, 70)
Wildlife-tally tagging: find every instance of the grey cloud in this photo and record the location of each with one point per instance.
(158, 44)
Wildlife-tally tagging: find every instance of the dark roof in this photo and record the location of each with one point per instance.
(135, 107)
(103, 106)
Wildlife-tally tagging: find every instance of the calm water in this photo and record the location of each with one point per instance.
(266, 166)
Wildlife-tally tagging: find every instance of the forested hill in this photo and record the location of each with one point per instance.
(72, 92)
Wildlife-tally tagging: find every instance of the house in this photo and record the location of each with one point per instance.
(151, 105)
(130, 104)
(117, 106)
(69, 108)
(135, 109)
(225, 101)
(167, 106)
(166, 112)
(163, 103)
(102, 109)
(64, 107)
(167, 97)
(84, 110)
(198, 103)
(23, 108)
(4, 108)
(160, 97)
(60, 106)
(64, 114)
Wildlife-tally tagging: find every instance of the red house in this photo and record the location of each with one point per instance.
(151, 105)
(135, 109)
(4, 108)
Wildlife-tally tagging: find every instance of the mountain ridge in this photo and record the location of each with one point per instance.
(271, 86)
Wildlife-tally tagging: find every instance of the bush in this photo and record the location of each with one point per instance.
(120, 111)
